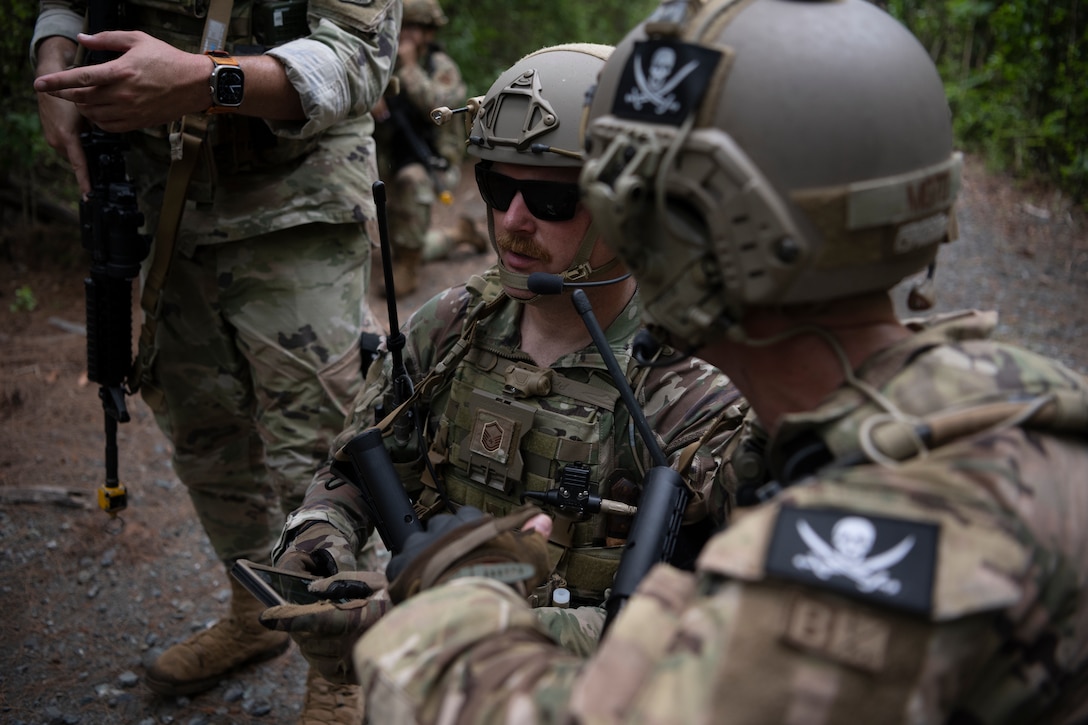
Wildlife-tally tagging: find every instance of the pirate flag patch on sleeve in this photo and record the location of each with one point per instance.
(886, 561)
(664, 81)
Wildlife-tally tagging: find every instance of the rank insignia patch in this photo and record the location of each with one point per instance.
(891, 562)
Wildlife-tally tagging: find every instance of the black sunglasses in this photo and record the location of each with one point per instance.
(550, 201)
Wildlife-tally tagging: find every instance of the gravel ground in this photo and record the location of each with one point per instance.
(85, 608)
(1023, 251)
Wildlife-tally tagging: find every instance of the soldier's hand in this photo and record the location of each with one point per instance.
(150, 83)
(318, 548)
(472, 544)
(327, 630)
(61, 120)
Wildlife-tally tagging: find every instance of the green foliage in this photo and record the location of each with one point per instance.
(25, 301)
(486, 37)
(25, 158)
(20, 137)
(1014, 71)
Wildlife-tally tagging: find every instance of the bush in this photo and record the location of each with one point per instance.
(31, 168)
(1014, 72)
(479, 38)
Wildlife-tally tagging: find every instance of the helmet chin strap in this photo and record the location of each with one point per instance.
(579, 269)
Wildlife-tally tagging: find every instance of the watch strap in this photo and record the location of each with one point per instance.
(220, 58)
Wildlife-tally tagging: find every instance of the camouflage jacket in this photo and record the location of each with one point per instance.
(262, 176)
(432, 82)
(943, 587)
(690, 405)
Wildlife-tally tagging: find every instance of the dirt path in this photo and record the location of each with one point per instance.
(84, 608)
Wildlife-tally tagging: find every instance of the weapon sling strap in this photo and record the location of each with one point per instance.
(481, 312)
(186, 147)
(440, 372)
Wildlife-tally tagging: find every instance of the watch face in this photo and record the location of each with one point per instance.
(228, 86)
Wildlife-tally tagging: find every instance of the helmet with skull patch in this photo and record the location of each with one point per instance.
(533, 116)
(744, 154)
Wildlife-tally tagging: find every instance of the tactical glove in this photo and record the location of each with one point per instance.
(318, 548)
(471, 544)
(327, 631)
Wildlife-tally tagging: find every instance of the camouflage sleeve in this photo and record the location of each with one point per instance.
(479, 637)
(341, 69)
(428, 333)
(56, 17)
(945, 589)
(443, 86)
(688, 403)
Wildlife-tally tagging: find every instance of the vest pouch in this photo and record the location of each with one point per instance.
(180, 24)
(275, 22)
(491, 452)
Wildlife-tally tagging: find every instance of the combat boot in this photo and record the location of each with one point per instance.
(406, 270)
(200, 662)
(468, 233)
(327, 702)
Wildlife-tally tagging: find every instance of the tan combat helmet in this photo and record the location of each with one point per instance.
(768, 152)
(533, 115)
(424, 12)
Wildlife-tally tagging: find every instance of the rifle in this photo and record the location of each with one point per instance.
(364, 461)
(109, 228)
(417, 147)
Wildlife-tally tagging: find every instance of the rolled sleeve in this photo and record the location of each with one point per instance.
(337, 73)
(55, 19)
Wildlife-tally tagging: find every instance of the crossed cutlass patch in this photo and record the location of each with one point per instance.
(664, 81)
(890, 562)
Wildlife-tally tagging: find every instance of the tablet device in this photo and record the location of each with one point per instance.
(274, 586)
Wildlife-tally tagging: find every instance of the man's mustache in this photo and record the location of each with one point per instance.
(523, 245)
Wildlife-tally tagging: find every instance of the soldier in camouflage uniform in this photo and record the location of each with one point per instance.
(417, 160)
(521, 400)
(256, 357)
(769, 169)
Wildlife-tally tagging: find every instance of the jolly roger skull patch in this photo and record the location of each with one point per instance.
(664, 81)
(887, 561)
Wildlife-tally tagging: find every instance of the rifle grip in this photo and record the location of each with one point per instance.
(653, 536)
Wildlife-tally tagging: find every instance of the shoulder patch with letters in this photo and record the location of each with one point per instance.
(886, 561)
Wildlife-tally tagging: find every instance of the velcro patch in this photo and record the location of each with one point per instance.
(890, 562)
(840, 633)
(664, 81)
(508, 572)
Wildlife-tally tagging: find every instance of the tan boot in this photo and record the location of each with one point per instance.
(204, 659)
(406, 270)
(468, 233)
(327, 702)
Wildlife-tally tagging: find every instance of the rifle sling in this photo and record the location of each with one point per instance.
(193, 131)
(173, 204)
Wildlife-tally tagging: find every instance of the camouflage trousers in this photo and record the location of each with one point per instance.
(410, 196)
(258, 361)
